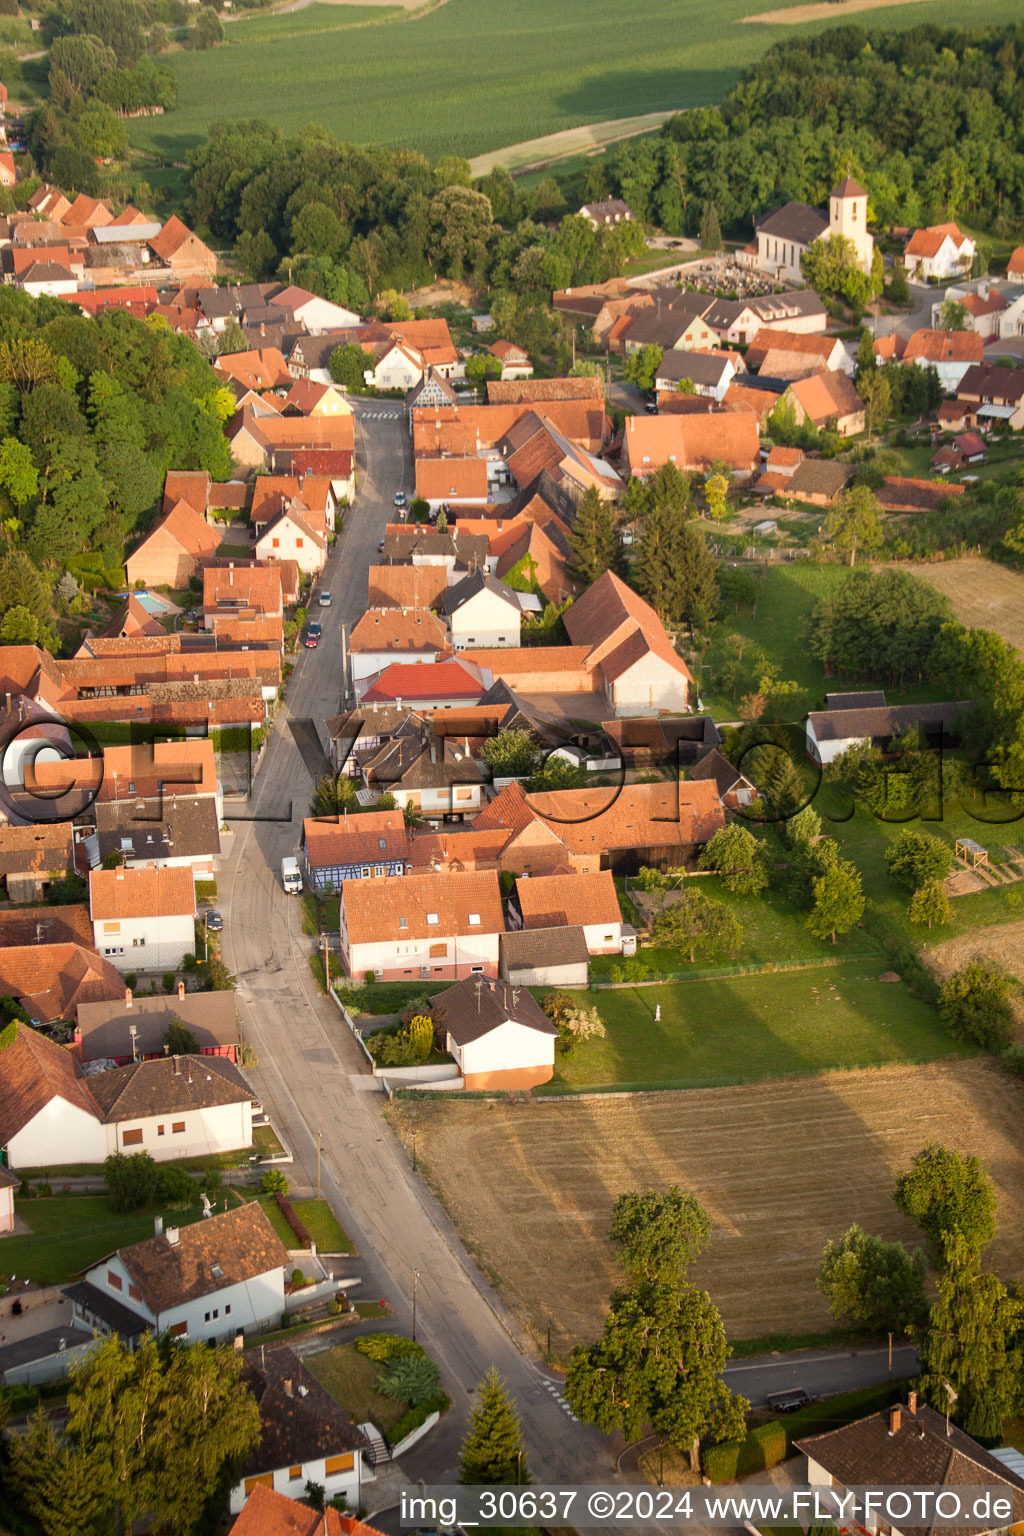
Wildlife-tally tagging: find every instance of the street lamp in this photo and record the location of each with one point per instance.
(414, 1151)
(415, 1283)
(319, 1141)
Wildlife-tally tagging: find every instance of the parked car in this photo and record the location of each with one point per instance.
(789, 1401)
(399, 498)
(313, 634)
(214, 922)
(380, 547)
(324, 599)
(651, 407)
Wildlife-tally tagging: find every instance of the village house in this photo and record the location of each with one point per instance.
(544, 957)
(51, 978)
(515, 361)
(185, 256)
(783, 237)
(639, 666)
(911, 1446)
(451, 482)
(692, 443)
(315, 314)
(939, 252)
(431, 926)
(386, 635)
(556, 901)
(291, 536)
(272, 494)
(143, 918)
(308, 399)
(416, 585)
(994, 394)
(170, 1107)
(708, 373)
(499, 1035)
(425, 685)
(865, 719)
(434, 776)
(32, 857)
(268, 1513)
(612, 211)
(827, 400)
(985, 308)
(207, 1282)
(481, 611)
(433, 390)
(305, 1438)
(170, 556)
(950, 353)
(134, 1027)
(262, 368)
(361, 847)
(734, 789)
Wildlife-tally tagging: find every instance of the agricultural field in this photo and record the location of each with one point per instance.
(439, 82)
(1003, 944)
(782, 1167)
(735, 1029)
(984, 595)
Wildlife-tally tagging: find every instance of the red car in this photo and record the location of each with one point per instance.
(313, 634)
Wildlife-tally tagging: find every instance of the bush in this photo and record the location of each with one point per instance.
(414, 1417)
(131, 1180)
(387, 1346)
(131, 980)
(293, 1219)
(1013, 1059)
(298, 1278)
(176, 1188)
(274, 1182)
(412, 1379)
(975, 1005)
(170, 981)
(764, 1447)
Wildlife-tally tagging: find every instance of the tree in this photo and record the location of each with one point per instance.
(954, 315)
(130, 1180)
(878, 1285)
(738, 857)
(875, 392)
(831, 266)
(838, 901)
(231, 338)
(710, 233)
(948, 1193)
(334, 793)
(716, 494)
(661, 1234)
(975, 1005)
(867, 361)
(179, 1040)
(208, 31)
(657, 1363)
(698, 926)
(592, 542)
(482, 367)
(674, 569)
(641, 368)
(348, 364)
(511, 754)
(460, 226)
(972, 1344)
(421, 1035)
(492, 1451)
(930, 905)
(854, 523)
(899, 288)
(914, 858)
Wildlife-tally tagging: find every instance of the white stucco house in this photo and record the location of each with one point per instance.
(143, 919)
(53, 1112)
(305, 1436)
(206, 1282)
(481, 612)
(290, 537)
(401, 367)
(431, 926)
(555, 901)
(940, 251)
(316, 314)
(629, 645)
(864, 719)
(498, 1034)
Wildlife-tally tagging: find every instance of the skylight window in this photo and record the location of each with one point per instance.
(402, 923)
(474, 919)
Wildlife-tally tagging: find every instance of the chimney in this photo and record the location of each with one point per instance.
(172, 1236)
(433, 751)
(127, 997)
(911, 1402)
(894, 1419)
(158, 1226)
(181, 990)
(177, 1066)
(288, 1387)
(231, 574)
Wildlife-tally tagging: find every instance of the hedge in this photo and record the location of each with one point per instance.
(412, 1418)
(764, 1447)
(293, 1219)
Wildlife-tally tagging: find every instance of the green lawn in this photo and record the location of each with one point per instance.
(437, 83)
(323, 1226)
(71, 1232)
(745, 1028)
(351, 1379)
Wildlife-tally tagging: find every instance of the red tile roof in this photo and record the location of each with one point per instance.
(149, 892)
(925, 243)
(425, 680)
(556, 901)
(945, 347)
(33, 1072)
(397, 629)
(398, 907)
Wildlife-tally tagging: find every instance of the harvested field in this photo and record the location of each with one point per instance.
(824, 10)
(984, 595)
(1003, 943)
(781, 1167)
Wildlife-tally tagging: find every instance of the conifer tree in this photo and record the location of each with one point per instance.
(592, 541)
(492, 1451)
(710, 229)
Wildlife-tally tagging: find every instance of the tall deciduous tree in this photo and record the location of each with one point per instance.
(973, 1344)
(948, 1193)
(875, 1284)
(512, 753)
(661, 1234)
(975, 1005)
(854, 524)
(492, 1451)
(592, 541)
(838, 901)
(698, 926)
(738, 857)
(930, 905)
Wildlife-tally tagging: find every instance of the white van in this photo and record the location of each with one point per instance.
(291, 875)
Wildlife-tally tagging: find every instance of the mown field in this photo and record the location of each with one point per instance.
(475, 75)
(782, 1167)
(984, 595)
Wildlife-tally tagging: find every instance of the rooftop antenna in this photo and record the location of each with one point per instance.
(479, 989)
(133, 1030)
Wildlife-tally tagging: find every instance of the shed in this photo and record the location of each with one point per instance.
(544, 957)
(970, 852)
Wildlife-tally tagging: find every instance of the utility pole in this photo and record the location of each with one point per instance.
(415, 1283)
(327, 960)
(890, 1357)
(414, 1151)
(319, 1140)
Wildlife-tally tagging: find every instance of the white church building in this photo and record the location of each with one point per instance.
(782, 237)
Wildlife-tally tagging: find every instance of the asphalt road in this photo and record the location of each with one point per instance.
(313, 1077)
(819, 1371)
